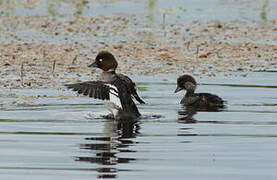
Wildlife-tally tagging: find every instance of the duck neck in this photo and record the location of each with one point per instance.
(189, 93)
(111, 71)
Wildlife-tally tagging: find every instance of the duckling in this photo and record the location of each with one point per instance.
(201, 100)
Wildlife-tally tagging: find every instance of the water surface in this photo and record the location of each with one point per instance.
(65, 138)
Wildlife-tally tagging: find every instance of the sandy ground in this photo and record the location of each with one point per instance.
(54, 51)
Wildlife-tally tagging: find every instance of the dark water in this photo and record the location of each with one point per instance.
(66, 138)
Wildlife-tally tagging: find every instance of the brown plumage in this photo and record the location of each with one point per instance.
(188, 83)
(105, 61)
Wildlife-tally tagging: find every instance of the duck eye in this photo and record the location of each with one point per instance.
(100, 60)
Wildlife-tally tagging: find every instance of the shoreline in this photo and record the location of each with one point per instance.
(40, 50)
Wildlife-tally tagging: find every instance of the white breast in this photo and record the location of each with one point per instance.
(114, 104)
(114, 97)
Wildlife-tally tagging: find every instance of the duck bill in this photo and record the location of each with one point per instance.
(93, 65)
(177, 89)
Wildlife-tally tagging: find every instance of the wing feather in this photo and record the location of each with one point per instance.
(86, 91)
(93, 89)
(125, 97)
(131, 87)
(116, 91)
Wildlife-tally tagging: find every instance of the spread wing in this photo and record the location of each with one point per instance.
(115, 91)
(131, 87)
(93, 89)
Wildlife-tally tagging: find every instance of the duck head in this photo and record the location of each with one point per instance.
(105, 61)
(186, 82)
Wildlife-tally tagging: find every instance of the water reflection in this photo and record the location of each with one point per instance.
(186, 113)
(105, 150)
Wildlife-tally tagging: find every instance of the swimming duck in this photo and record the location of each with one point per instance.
(116, 89)
(201, 100)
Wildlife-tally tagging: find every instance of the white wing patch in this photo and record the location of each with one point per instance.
(114, 97)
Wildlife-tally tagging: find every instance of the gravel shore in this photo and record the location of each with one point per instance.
(47, 50)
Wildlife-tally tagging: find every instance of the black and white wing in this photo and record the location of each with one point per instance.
(131, 87)
(115, 91)
(125, 97)
(97, 90)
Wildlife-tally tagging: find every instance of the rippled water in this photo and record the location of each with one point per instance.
(64, 137)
